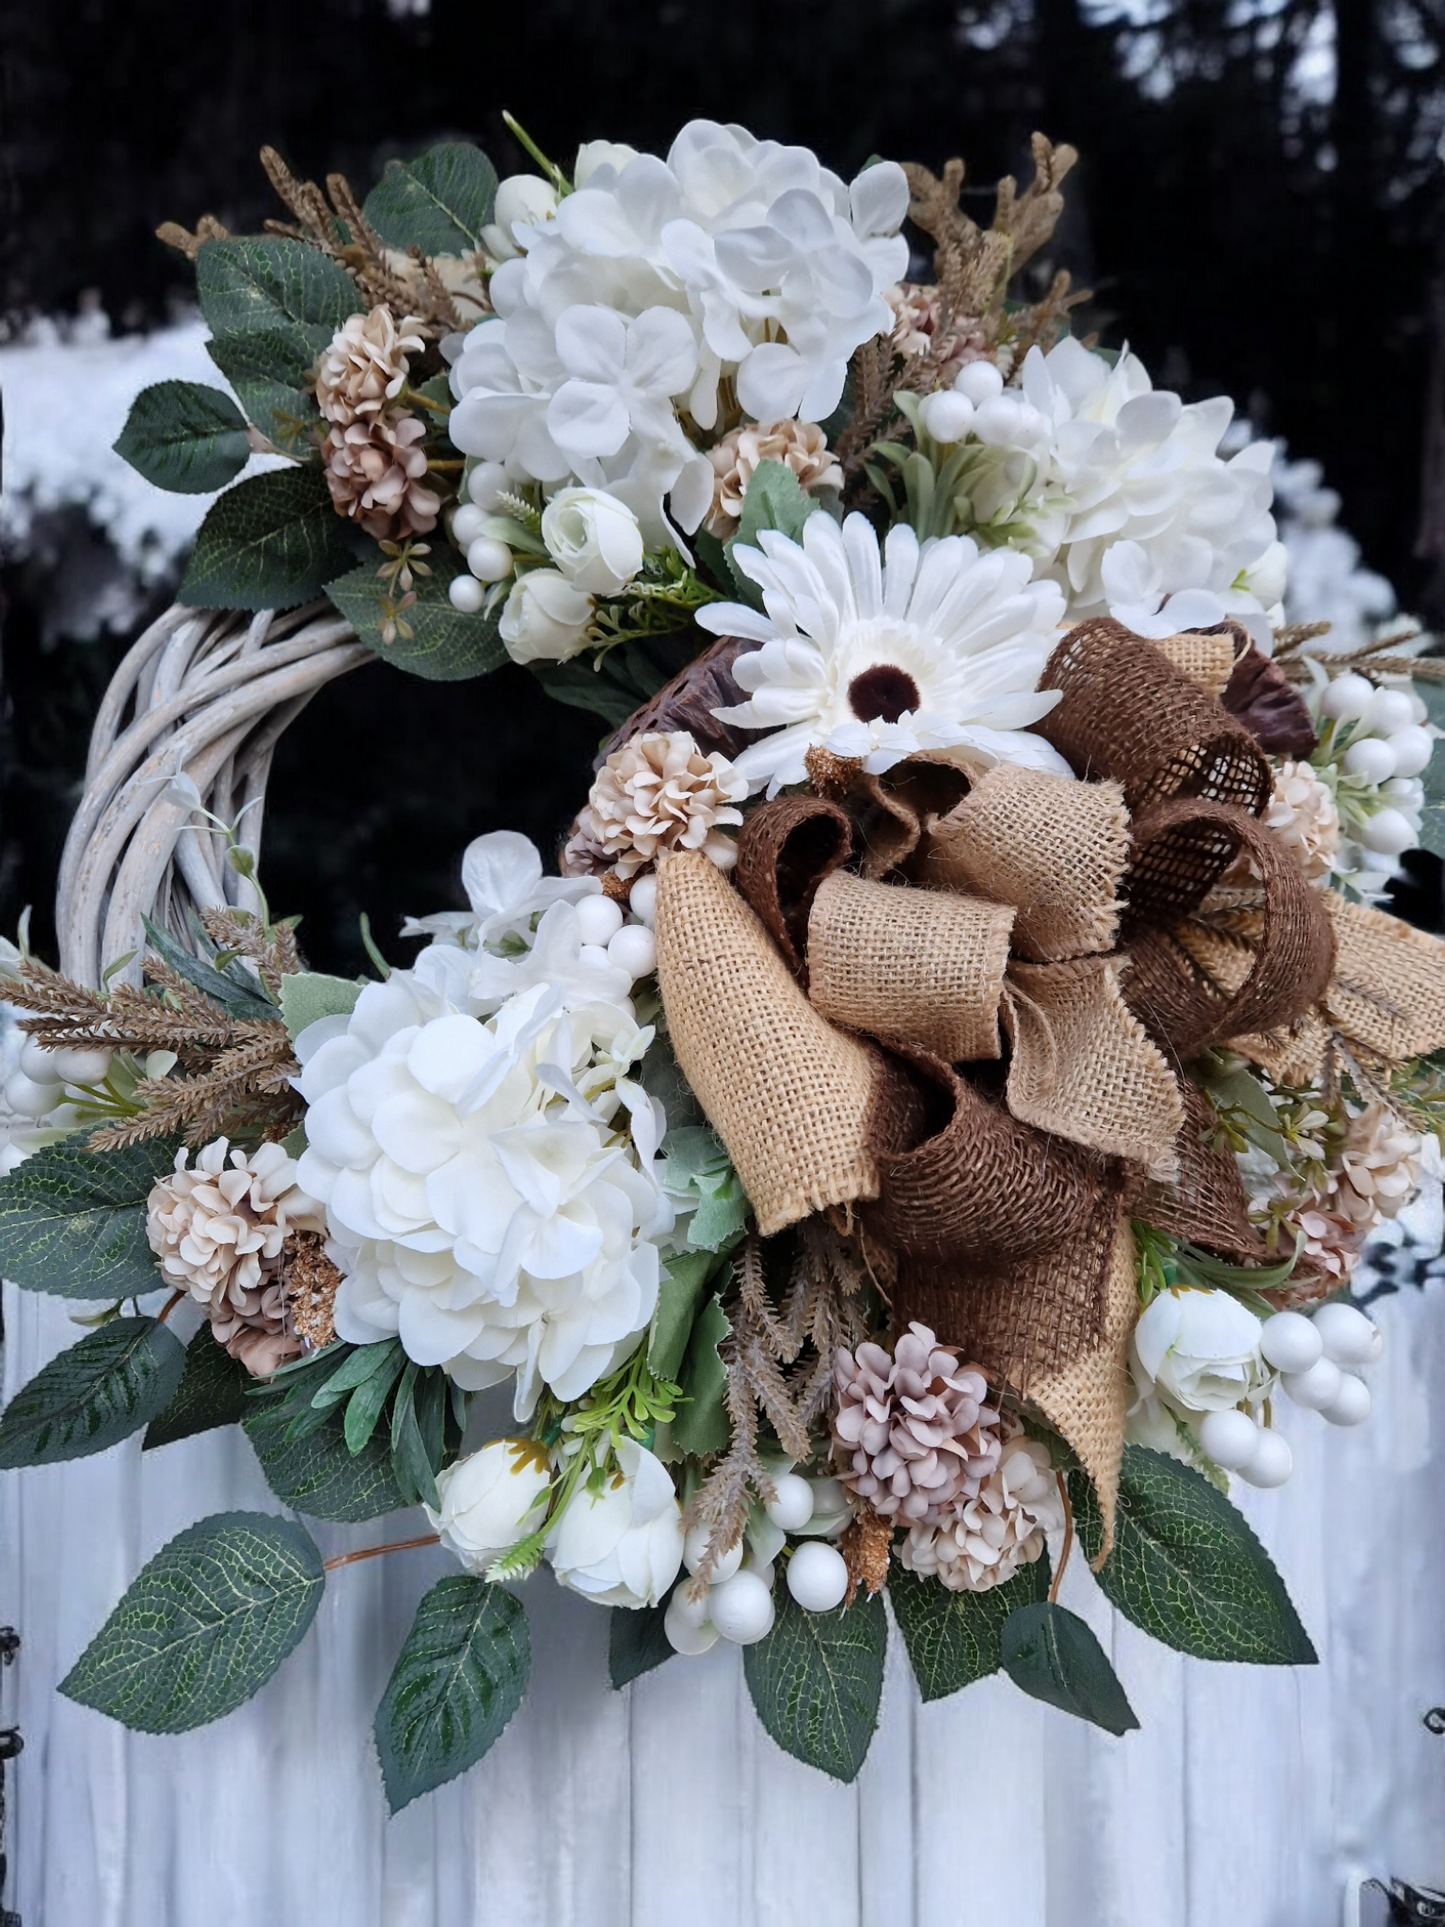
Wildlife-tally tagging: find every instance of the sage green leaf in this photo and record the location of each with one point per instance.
(445, 645)
(636, 1642)
(283, 409)
(457, 1681)
(93, 1395)
(774, 499)
(308, 995)
(212, 1392)
(185, 437)
(271, 542)
(411, 1464)
(318, 1474)
(817, 1679)
(701, 1425)
(439, 202)
(684, 1282)
(205, 1624)
(1187, 1568)
(363, 1411)
(290, 298)
(230, 988)
(953, 1638)
(73, 1222)
(1052, 1655)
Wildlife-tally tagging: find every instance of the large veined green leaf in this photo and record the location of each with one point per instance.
(290, 298)
(185, 437)
(457, 1681)
(774, 499)
(954, 1638)
(93, 1395)
(817, 1680)
(318, 1474)
(204, 1625)
(1186, 1567)
(1052, 1655)
(212, 1391)
(270, 542)
(439, 202)
(701, 1425)
(73, 1222)
(284, 409)
(445, 645)
(636, 1642)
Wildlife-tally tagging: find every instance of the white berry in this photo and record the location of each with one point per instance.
(466, 594)
(979, 380)
(488, 559)
(1388, 833)
(76, 1065)
(817, 1576)
(1413, 747)
(682, 1635)
(1290, 1342)
(741, 1609)
(689, 1612)
(1371, 758)
(28, 1098)
(1347, 1335)
(793, 1506)
(695, 1545)
(1231, 1439)
(1351, 1404)
(643, 900)
(1389, 710)
(593, 956)
(1316, 1388)
(1347, 698)
(1272, 1462)
(947, 416)
(467, 524)
(598, 920)
(634, 948)
(485, 485)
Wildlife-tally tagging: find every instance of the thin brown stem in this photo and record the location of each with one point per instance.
(1068, 1545)
(164, 1313)
(375, 1552)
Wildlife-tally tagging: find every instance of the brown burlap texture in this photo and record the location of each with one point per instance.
(785, 851)
(1387, 994)
(1204, 657)
(894, 808)
(1205, 1203)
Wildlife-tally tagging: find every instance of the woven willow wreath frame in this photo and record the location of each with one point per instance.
(208, 693)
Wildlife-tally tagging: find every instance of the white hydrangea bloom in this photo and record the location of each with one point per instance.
(504, 885)
(487, 1166)
(877, 654)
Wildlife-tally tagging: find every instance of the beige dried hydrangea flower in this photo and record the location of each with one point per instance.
(1378, 1170)
(989, 1537)
(375, 470)
(800, 446)
(219, 1228)
(1303, 816)
(657, 793)
(365, 367)
(1331, 1249)
(917, 312)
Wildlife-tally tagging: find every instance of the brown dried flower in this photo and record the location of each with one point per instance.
(375, 469)
(919, 317)
(310, 1285)
(1002, 1527)
(660, 793)
(365, 367)
(800, 446)
(914, 1434)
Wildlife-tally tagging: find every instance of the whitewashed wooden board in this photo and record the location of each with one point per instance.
(1249, 1798)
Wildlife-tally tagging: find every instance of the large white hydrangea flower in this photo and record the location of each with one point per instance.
(487, 1164)
(877, 655)
(1138, 515)
(637, 295)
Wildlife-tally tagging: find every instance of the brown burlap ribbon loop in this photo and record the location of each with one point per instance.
(895, 808)
(785, 850)
(1387, 993)
(1205, 1202)
(981, 1189)
(1128, 713)
(1176, 847)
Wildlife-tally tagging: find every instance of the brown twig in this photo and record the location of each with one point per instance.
(1068, 1545)
(375, 1552)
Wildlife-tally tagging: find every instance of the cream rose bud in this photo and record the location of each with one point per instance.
(621, 1546)
(594, 154)
(595, 540)
(546, 618)
(490, 1500)
(1199, 1350)
(524, 198)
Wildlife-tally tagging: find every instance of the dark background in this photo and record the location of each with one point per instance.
(1249, 225)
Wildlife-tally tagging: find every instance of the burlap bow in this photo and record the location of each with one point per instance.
(820, 1013)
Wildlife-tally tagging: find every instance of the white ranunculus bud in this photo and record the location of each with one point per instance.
(1198, 1350)
(524, 198)
(546, 619)
(621, 1546)
(595, 540)
(491, 1499)
(594, 154)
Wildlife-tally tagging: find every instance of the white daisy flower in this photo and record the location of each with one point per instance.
(925, 646)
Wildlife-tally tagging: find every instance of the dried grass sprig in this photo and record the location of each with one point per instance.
(274, 952)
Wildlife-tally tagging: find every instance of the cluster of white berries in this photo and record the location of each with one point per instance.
(978, 404)
(36, 1086)
(738, 1603)
(1388, 747)
(632, 946)
(1314, 1357)
(489, 559)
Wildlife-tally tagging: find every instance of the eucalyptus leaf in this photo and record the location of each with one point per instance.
(205, 1624)
(211, 1392)
(270, 542)
(439, 202)
(774, 499)
(636, 1642)
(93, 1395)
(1052, 1655)
(458, 1679)
(73, 1222)
(445, 644)
(308, 995)
(954, 1638)
(817, 1680)
(183, 436)
(318, 1474)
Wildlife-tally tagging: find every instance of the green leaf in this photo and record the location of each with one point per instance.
(309, 995)
(439, 202)
(445, 645)
(701, 1425)
(684, 1281)
(1432, 828)
(700, 1171)
(94, 1395)
(363, 1411)
(318, 1474)
(1186, 1567)
(73, 1221)
(185, 437)
(582, 685)
(774, 499)
(411, 1464)
(212, 1391)
(458, 1679)
(953, 1637)
(636, 1642)
(270, 542)
(204, 1626)
(817, 1678)
(284, 410)
(289, 298)
(1052, 1655)
(229, 988)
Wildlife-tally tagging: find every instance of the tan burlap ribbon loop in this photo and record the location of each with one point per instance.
(1128, 713)
(1387, 993)
(785, 850)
